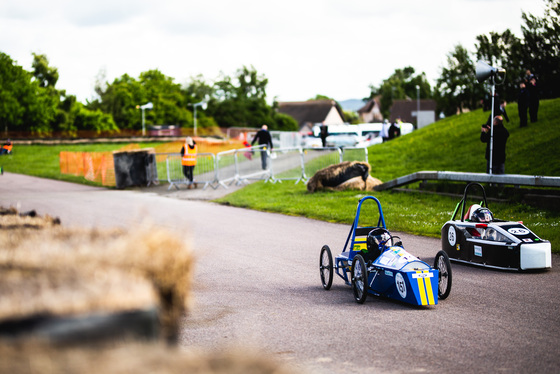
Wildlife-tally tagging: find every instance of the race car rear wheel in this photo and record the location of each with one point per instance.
(326, 267)
(359, 279)
(443, 265)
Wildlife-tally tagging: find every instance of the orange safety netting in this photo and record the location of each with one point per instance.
(99, 166)
(93, 166)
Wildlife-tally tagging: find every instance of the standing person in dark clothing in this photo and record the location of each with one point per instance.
(499, 145)
(522, 103)
(499, 110)
(324, 133)
(264, 138)
(394, 131)
(533, 93)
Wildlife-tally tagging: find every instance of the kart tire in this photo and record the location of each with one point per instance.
(443, 265)
(359, 279)
(326, 267)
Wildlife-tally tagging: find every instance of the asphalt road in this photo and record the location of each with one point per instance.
(257, 285)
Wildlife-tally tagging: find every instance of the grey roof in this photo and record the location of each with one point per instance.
(404, 109)
(312, 111)
(368, 107)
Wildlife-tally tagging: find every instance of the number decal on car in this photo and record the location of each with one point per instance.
(401, 286)
(451, 236)
(518, 231)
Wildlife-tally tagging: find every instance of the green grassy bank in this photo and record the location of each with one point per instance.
(452, 144)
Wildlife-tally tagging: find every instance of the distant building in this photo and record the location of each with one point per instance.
(407, 111)
(164, 130)
(312, 112)
(370, 112)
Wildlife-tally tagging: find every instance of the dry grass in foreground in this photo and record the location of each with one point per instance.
(99, 301)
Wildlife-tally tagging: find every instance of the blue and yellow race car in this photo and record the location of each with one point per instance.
(375, 262)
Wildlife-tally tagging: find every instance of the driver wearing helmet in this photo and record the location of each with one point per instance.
(482, 215)
(377, 240)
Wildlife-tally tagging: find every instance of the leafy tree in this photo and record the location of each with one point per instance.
(322, 97)
(93, 120)
(24, 105)
(46, 76)
(400, 85)
(241, 101)
(170, 101)
(541, 48)
(197, 89)
(457, 88)
(351, 117)
(502, 50)
(119, 99)
(285, 122)
(167, 97)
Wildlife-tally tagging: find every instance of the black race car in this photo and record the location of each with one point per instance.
(477, 238)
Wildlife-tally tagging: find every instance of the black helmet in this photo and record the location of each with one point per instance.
(482, 215)
(376, 238)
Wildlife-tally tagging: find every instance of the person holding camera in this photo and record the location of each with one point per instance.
(499, 145)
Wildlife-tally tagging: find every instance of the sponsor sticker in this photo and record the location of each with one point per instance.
(422, 275)
(478, 250)
(452, 236)
(388, 273)
(359, 246)
(401, 286)
(518, 231)
(527, 240)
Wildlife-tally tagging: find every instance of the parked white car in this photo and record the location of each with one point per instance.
(343, 140)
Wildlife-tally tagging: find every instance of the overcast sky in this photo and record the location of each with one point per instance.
(336, 48)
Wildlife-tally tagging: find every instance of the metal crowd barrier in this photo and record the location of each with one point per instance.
(354, 154)
(315, 159)
(204, 172)
(241, 165)
(287, 164)
(161, 167)
(151, 169)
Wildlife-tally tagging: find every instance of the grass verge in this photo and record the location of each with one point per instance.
(412, 212)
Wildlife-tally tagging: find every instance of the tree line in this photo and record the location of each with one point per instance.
(30, 102)
(457, 89)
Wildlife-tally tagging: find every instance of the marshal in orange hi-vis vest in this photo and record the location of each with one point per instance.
(189, 158)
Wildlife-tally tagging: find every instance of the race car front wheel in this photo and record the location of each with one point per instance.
(359, 279)
(326, 267)
(443, 266)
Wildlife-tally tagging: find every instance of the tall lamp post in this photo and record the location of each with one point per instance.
(143, 107)
(484, 71)
(204, 105)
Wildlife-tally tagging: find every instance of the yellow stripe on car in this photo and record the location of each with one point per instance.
(429, 291)
(425, 287)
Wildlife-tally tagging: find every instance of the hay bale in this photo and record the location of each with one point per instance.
(348, 175)
(133, 357)
(50, 274)
(77, 287)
